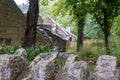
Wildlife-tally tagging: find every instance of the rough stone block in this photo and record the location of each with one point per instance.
(44, 67)
(76, 71)
(71, 59)
(106, 68)
(11, 66)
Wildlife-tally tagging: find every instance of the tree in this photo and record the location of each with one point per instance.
(79, 10)
(31, 24)
(105, 11)
(80, 33)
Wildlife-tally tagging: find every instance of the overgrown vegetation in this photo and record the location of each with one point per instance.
(32, 52)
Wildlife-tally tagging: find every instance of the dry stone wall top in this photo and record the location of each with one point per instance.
(45, 67)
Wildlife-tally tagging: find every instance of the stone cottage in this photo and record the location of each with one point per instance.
(12, 23)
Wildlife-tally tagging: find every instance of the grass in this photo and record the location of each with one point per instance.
(88, 52)
(72, 48)
(94, 48)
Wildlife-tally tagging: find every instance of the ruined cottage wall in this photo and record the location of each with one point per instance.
(46, 37)
(12, 22)
(39, 39)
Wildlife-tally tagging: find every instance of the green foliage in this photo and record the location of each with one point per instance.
(101, 7)
(116, 26)
(115, 48)
(92, 29)
(105, 11)
(65, 11)
(56, 9)
(32, 52)
(10, 49)
(44, 2)
(59, 8)
(46, 7)
(77, 8)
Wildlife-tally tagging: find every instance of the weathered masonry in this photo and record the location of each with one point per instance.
(12, 23)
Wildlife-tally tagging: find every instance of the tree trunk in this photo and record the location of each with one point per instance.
(80, 34)
(31, 24)
(107, 43)
(106, 31)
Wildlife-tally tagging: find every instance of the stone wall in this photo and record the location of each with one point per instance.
(46, 36)
(40, 36)
(46, 67)
(12, 22)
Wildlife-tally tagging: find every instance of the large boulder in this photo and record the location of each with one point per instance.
(73, 70)
(43, 67)
(76, 71)
(71, 59)
(11, 66)
(106, 68)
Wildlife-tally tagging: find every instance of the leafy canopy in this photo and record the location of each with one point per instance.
(98, 8)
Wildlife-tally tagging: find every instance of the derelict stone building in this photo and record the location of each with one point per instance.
(12, 28)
